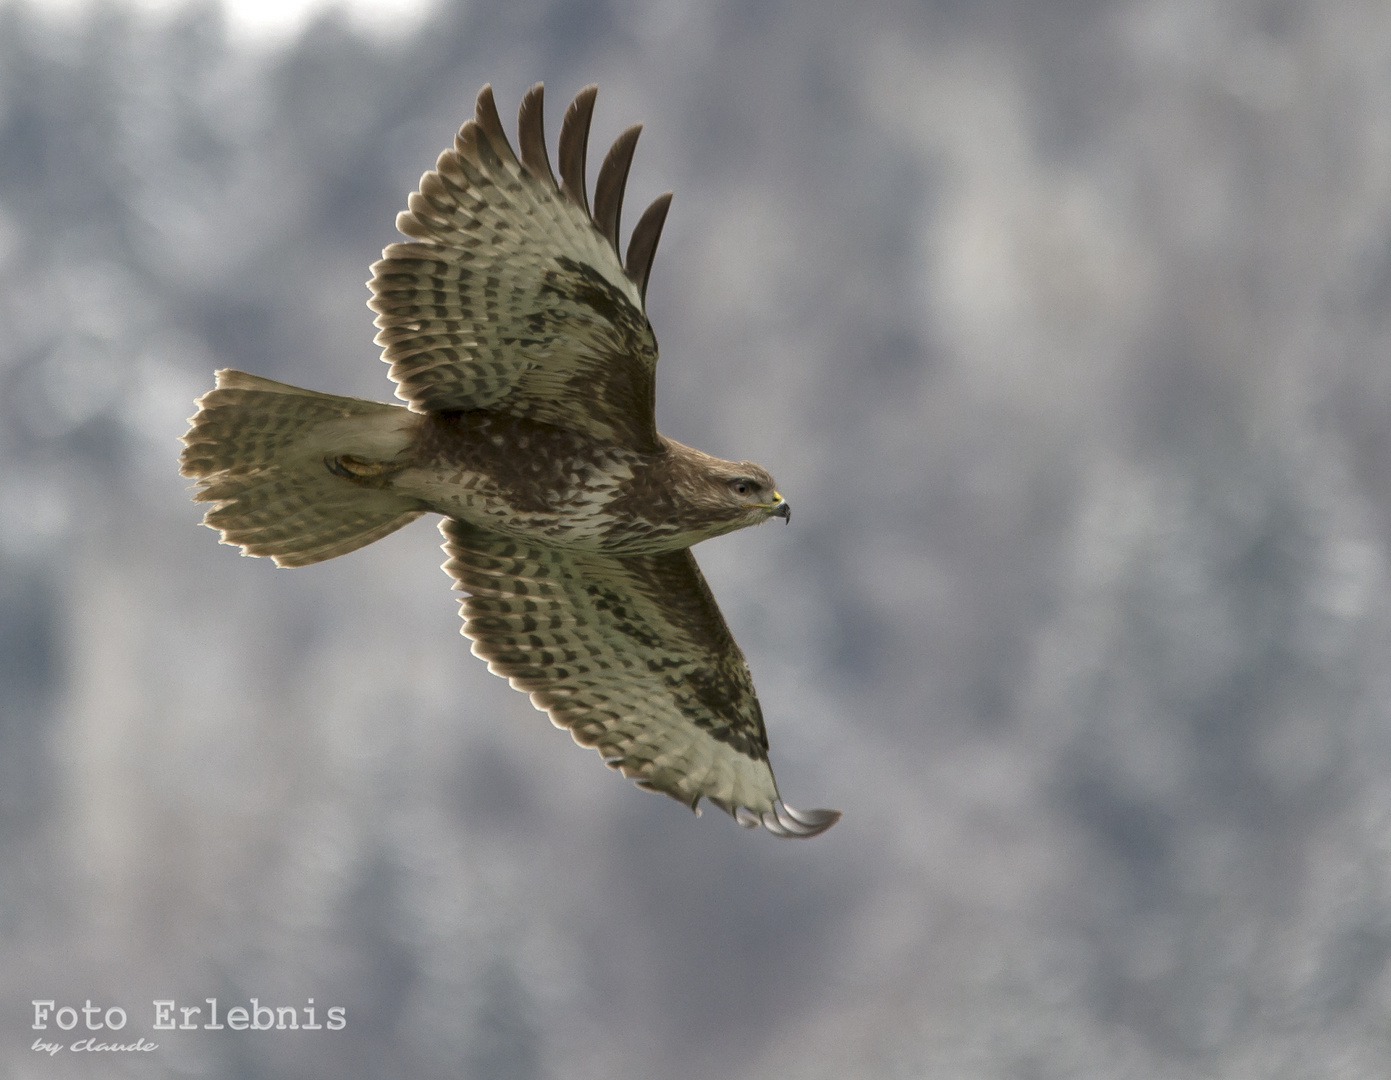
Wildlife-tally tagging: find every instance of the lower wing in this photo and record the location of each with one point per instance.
(631, 654)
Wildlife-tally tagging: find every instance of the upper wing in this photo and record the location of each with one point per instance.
(513, 297)
(632, 655)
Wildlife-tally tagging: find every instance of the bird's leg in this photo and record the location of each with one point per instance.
(361, 471)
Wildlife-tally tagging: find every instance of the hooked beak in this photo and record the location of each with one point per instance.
(777, 508)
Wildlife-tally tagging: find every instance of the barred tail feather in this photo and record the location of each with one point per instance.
(263, 453)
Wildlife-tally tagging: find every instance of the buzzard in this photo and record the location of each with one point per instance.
(520, 343)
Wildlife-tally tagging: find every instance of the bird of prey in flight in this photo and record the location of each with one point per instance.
(518, 339)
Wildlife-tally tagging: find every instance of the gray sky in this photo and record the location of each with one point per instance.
(266, 23)
(1064, 326)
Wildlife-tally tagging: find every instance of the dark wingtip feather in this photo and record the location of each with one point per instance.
(531, 135)
(574, 139)
(613, 178)
(486, 117)
(786, 822)
(642, 246)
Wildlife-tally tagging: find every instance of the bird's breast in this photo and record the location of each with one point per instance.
(516, 476)
(546, 484)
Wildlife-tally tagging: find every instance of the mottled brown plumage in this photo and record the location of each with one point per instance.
(521, 346)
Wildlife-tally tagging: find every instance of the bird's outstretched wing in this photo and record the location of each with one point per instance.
(513, 296)
(631, 655)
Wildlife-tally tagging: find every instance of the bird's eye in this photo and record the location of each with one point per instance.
(743, 487)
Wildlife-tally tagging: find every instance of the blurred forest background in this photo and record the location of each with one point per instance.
(1065, 328)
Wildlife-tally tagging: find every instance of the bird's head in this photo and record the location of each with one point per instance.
(747, 493)
(711, 496)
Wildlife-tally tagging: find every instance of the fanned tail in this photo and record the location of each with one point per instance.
(294, 474)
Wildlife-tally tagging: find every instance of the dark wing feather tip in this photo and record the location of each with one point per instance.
(486, 117)
(613, 178)
(531, 135)
(574, 142)
(642, 245)
(784, 821)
